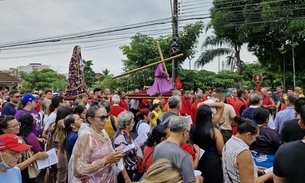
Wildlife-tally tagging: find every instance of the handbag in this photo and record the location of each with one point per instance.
(33, 171)
(32, 168)
(142, 164)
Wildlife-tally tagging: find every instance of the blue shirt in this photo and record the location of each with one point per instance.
(247, 113)
(12, 175)
(9, 109)
(282, 116)
(71, 139)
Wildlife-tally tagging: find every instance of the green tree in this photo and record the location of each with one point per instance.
(143, 51)
(89, 73)
(227, 38)
(44, 79)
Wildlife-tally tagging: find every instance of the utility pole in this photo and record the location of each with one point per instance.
(293, 62)
(175, 48)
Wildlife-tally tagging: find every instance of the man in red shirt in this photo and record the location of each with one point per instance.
(116, 109)
(97, 94)
(266, 99)
(186, 107)
(123, 103)
(232, 98)
(194, 108)
(240, 104)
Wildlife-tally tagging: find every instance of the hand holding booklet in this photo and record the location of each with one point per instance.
(51, 160)
(141, 139)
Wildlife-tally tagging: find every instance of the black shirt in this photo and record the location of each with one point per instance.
(291, 131)
(289, 162)
(267, 142)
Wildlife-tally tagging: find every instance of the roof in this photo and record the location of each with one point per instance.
(7, 78)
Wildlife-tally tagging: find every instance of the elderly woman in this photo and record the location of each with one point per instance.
(238, 164)
(9, 125)
(122, 138)
(93, 156)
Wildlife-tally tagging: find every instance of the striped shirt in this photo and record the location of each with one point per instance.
(231, 150)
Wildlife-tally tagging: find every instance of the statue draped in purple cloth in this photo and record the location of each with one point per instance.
(76, 81)
(161, 83)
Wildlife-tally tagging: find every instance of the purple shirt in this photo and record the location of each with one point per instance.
(36, 123)
(32, 141)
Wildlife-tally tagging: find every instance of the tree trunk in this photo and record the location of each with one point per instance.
(238, 63)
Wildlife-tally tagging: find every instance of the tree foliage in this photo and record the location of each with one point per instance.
(270, 29)
(143, 51)
(89, 73)
(44, 79)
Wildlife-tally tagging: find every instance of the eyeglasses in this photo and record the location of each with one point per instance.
(103, 118)
(15, 126)
(15, 154)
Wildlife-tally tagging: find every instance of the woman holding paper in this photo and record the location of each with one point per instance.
(122, 139)
(93, 158)
(9, 125)
(238, 163)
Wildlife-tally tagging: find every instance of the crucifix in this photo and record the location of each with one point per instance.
(150, 65)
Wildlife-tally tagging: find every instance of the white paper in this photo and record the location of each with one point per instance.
(129, 147)
(140, 153)
(51, 160)
(197, 172)
(201, 153)
(140, 139)
(268, 170)
(189, 118)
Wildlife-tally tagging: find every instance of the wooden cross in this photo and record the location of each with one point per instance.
(150, 65)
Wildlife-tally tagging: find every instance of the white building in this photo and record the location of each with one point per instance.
(32, 67)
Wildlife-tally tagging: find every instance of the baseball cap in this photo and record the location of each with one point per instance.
(11, 141)
(28, 98)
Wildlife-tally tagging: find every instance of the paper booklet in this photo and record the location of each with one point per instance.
(51, 160)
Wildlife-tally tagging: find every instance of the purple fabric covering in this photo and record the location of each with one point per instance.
(37, 122)
(161, 84)
(76, 81)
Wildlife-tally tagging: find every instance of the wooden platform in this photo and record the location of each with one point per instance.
(144, 95)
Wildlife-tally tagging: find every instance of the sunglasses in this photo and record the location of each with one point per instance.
(103, 118)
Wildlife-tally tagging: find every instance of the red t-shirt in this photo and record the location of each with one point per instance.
(148, 156)
(194, 110)
(116, 110)
(123, 104)
(188, 148)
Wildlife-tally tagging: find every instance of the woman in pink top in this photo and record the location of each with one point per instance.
(93, 158)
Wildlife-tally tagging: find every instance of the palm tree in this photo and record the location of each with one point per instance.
(105, 74)
(233, 52)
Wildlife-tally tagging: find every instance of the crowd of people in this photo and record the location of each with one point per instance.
(231, 136)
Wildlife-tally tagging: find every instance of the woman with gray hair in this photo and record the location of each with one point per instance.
(122, 139)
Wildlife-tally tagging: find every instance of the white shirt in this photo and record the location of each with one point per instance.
(134, 104)
(51, 119)
(143, 128)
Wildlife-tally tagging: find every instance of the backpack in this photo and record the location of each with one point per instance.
(166, 120)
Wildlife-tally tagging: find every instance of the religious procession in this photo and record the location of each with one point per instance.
(158, 122)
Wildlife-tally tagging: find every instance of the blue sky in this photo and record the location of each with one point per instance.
(32, 19)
